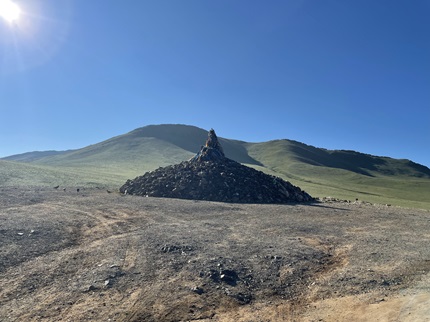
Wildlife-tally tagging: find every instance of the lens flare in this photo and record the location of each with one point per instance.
(9, 11)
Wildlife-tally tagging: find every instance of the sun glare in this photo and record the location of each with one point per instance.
(9, 11)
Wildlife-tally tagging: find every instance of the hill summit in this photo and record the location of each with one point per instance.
(210, 175)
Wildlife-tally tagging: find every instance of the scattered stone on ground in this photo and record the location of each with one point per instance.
(115, 257)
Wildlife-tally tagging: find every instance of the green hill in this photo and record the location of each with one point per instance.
(337, 173)
(33, 156)
(346, 174)
(191, 138)
(26, 174)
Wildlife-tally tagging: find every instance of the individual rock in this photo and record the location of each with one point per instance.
(243, 298)
(197, 290)
(90, 288)
(229, 276)
(108, 283)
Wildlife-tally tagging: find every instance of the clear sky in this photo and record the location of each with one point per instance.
(330, 73)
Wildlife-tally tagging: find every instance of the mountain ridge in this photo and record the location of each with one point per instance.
(174, 134)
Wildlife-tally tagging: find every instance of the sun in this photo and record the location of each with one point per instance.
(9, 11)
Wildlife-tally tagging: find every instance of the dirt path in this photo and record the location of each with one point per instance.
(98, 256)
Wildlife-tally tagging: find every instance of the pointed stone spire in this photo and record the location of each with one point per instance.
(210, 175)
(212, 151)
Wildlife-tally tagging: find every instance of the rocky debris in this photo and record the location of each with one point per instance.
(294, 257)
(243, 298)
(103, 277)
(176, 248)
(332, 200)
(355, 202)
(197, 290)
(211, 176)
(268, 272)
(229, 276)
(90, 288)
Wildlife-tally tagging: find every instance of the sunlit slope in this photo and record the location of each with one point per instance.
(110, 162)
(142, 150)
(123, 157)
(191, 138)
(33, 156)
(25, 174)
(346, 174)
(115, 160)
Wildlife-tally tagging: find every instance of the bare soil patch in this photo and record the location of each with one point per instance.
(98, 256)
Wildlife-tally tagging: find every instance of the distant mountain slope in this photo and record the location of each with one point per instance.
(145, 148)
(33, 156)
(346, 174)
(281, 153)
(124, 155)
(191, 138)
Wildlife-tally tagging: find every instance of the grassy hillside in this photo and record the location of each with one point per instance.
(191, 138)
(346, 174)
(144, 149)
(121, 160)
(280, 153)
(321, 172)
(24, 174)
(33, 156)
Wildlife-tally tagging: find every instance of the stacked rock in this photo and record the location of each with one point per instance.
(210, 175)
(211, 151)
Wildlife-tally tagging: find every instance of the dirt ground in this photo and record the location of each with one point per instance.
(98, 256)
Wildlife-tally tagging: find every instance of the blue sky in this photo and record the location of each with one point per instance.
(334, 74)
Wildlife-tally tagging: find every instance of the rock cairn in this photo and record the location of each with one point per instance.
(209, 175)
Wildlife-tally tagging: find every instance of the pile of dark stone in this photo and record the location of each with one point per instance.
(209, 175)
